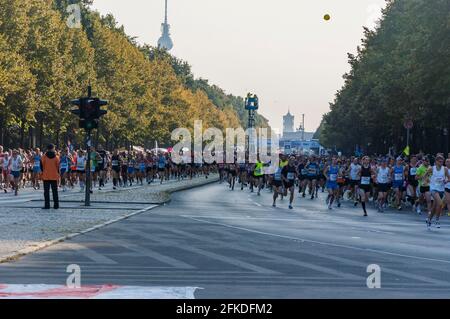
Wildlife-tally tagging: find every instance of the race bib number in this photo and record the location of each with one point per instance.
(398, 177)
(277, 176)
(413, 171)
(333, 177)
(365, 180)
(290, 175)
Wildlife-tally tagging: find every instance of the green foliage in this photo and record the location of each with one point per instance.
(402, 70)
(44, 64)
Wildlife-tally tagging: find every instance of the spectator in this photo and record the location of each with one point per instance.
(50, 176)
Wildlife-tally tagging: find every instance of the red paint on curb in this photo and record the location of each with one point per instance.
(84, 292)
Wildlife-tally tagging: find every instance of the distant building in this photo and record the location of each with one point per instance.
(297, 141)
(288, 123)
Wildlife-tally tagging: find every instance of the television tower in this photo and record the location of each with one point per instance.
(165, 42)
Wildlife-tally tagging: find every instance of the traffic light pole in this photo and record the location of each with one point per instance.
(87, 197)
(89, 111)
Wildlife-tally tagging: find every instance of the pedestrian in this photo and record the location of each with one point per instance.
(50, 176)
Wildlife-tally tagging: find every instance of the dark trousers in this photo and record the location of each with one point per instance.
(54, 186)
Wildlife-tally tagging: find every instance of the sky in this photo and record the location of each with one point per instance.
(282, 50)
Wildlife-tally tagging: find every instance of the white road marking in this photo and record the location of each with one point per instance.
(320, 242)
(209, 254)
(259, 252)
(148, 253)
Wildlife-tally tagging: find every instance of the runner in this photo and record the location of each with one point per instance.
(398, 182)
(303, 176)
(36, 168)
(81, 169)
(277, 185)
(413, 183)
(354, 174)
(64, 164)
(258, 174)
(232, 174)
(447, 185)
(289, 175)
(162, 162)
(116, 163)
(15, 165)
(365, 175)
(313, 173)
(438, 175)
(102, 166)
(331, 173)
(424, 186)
(382, 178)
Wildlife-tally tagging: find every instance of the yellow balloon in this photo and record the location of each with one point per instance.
(327, 17)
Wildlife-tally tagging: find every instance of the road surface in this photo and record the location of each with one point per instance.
(235, 245)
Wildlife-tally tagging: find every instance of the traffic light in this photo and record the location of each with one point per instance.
(89, 111)
(251, 102)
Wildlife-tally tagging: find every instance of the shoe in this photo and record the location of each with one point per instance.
(339, 205)
(274, 205)
(418, 210)
(56, 207)
(365, 215)
(437, 224)
(290, 207)
(428, 224)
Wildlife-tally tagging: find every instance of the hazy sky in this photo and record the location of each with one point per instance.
(283, 50)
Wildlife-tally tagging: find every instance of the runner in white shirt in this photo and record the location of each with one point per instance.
(15, 165)
(382, 177)
(353, 172)
(438, 175)
(81, 168)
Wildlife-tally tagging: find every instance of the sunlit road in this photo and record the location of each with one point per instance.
(235, 245)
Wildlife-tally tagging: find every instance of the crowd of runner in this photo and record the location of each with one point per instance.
(22, 168)
(419, 181)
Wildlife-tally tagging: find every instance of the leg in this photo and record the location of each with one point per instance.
(47, 194)
(54, 185)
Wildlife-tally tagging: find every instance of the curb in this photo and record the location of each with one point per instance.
(188, 187)
(42, 245)
(28, 250)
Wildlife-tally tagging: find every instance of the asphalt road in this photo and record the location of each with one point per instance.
(235, 245)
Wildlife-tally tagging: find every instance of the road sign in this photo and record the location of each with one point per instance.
(408, 124)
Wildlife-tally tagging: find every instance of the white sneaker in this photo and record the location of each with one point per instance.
(437, 224)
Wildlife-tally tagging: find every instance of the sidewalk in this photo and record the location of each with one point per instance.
(25, 227)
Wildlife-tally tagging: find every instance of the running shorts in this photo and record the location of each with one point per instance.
(383, 188)
(424, 189)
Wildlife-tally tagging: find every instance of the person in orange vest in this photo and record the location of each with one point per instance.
(50, 176)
